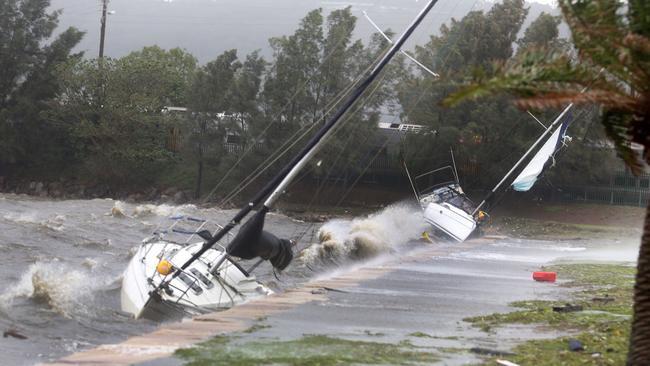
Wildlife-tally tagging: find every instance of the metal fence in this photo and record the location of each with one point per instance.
(605, 195)
(623, 189)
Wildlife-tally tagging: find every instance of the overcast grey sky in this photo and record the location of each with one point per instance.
(206, 28)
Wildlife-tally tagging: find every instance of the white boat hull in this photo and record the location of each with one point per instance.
(451, 220)
(197, 290)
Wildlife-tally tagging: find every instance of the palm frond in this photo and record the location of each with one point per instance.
(612, 70)
(561, 99)
(618, 126)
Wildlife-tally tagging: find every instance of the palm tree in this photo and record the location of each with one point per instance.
(611, 68)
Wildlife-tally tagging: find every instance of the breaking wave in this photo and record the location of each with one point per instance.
(119, 209)
(65, 290)
(53, 223)
(366, 237)
(160, 210)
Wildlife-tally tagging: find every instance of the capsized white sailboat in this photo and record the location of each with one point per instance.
(200, 288)
(167, 278)
(446, 207)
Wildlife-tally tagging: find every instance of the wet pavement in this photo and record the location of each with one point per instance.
(420, 297)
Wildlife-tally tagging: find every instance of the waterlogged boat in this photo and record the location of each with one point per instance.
(445, 206)
(167, 278)
(451, 213)
(200, 288)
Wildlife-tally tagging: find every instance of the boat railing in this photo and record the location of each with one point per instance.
(195, 281)
(199, 225)
(428, 182)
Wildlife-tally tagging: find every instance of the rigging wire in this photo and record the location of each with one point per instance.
(323, 183)
(293, 143)
(362, 172)
(294, 139)
(412, 106)
(275, 118)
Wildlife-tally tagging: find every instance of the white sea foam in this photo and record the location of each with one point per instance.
(89, 263)
(53, 223)
(120, 209)
(366, 237)
(64, 289)
(163, 210)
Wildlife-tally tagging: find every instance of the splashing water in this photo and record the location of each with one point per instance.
(63, 289)
(54, 223)
(119, 209)
(367, 237)
(163, 210)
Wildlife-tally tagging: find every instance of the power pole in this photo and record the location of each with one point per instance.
(103, 30)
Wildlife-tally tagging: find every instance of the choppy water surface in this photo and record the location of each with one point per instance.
(62, 264)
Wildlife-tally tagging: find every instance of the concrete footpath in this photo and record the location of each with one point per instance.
(426, 291)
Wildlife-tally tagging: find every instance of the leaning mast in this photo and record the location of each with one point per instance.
(274, 188)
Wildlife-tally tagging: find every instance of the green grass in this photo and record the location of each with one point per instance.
(313, 350)
(604, 291)
(607, 338)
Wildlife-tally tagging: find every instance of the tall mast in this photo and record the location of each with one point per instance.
(274, 188)
(317, 141)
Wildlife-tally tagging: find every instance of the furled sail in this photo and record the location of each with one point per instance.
(527, 178)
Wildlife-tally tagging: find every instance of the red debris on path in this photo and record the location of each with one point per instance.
(545, 276)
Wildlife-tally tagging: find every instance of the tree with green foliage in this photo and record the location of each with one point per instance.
(475, 41)
(27, 85)
(543, 32)
(311, 72)
(112, 111)
(290, 90)
(154, 78)
(612, 39)
(212, 97)
(480, 132)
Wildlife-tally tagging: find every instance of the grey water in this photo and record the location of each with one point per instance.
(61, 268)
(62, 262)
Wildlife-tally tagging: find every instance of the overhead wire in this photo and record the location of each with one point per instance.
(322, 184)
(274, 120)
(296, 137)
(411, 107)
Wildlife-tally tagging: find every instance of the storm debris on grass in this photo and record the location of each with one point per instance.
(602, 328)
(420, 335)
(308, 351)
